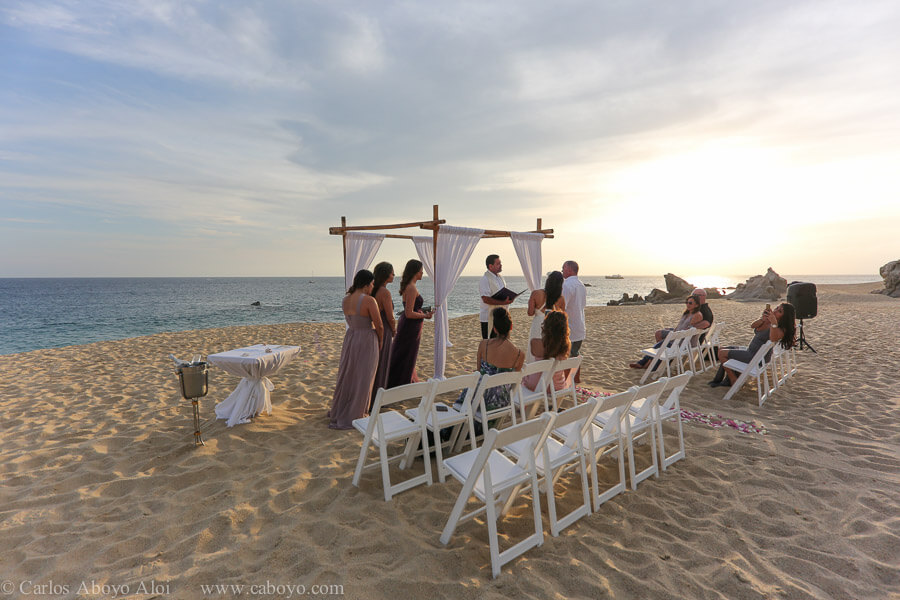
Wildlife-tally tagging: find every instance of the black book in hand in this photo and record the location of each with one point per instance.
(507, 294)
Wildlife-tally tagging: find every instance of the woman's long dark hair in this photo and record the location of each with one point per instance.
(788, 324)
(555, 335)
(697, 303)
(382, 272)
(413, 266)
(362, 278)
(553, 289)
(502, 322)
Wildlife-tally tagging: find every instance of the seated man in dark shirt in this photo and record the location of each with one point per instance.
(661, 334)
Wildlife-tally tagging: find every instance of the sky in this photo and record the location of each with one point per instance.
(224, 137)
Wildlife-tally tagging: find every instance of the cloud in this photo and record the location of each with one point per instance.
(285, 115)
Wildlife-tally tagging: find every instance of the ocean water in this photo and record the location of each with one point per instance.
(49, 313)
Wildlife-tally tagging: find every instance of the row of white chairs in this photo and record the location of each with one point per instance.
(531, 454)
(684, 351)
(782, 364)
(432, 416)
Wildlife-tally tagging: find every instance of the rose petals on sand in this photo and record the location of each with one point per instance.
(714, 421)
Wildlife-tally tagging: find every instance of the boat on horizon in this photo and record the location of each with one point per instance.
(615, 276)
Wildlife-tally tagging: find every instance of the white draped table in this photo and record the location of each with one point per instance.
(255, 364)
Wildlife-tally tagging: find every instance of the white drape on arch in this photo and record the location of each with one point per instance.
(425, 250)
(528, 249)
(362, 246)
(454, 248)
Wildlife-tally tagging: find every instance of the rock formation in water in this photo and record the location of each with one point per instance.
(891, 275)
(627, 301)
(770, 286)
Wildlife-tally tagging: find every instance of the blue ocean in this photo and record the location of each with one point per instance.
(49, 313)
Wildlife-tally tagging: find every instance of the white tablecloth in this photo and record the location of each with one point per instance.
(254, 364)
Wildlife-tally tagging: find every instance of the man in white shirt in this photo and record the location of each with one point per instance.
(575, 296)
(490, 284)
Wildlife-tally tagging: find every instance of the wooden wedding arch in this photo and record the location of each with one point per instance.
(441, 338)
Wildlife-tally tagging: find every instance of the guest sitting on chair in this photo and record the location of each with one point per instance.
(554, 343)
(778, 325)
(691, 317)
(498, 355)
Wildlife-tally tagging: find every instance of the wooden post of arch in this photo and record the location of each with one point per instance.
(434, 210)
(344, 244)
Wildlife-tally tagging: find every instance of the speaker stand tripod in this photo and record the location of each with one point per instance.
(802, 339)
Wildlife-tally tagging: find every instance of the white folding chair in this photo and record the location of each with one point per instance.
(705, 346)
(755, 368)
(382, 428)
(492, 478)
(558, 457)
(692, 357)
(712, 342)
(783, 364)
(640, 420)
(606, 435)
(570, 365)
(669, 409)
(442, 416)
(671, 351)
(527, 397)
(512, 379)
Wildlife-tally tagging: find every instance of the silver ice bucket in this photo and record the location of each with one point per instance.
(194, 379)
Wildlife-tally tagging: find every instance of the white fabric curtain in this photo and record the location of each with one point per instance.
(455, 246)
(362, 246)
(425, 250)
(528, 249)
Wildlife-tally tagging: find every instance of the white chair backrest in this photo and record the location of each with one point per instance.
(759, 359)
(650, 392)
(383, 398)
(512, 378)
(468, 382)
(669, 397)
(540, 366)
(583, 414)
(538, 428)
(571, 364)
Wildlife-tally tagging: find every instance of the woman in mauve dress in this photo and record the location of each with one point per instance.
(384, 274)
(359, 354)
(405, 349)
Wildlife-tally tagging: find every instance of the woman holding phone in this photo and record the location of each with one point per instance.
(777, 326)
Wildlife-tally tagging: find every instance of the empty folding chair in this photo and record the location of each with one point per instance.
(640, 420)
(711, 342)
(755, 368)
(456, 416)
(527, 397)
(382, 428)
(605, 436)
(567, 367)
(669, 409)
(558, 457)
(491, 477)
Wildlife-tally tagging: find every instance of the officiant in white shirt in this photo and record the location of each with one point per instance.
(490, 284)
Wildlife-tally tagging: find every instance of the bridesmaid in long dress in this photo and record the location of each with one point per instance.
(405, 349)
(359, 354)
(384, 274)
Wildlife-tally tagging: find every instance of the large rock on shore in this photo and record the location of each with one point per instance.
(677, 289)
(770, 286)
(891, 275)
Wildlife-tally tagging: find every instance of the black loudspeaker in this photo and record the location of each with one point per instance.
(803, 297)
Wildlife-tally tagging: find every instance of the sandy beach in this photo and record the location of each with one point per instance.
(104, 492)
